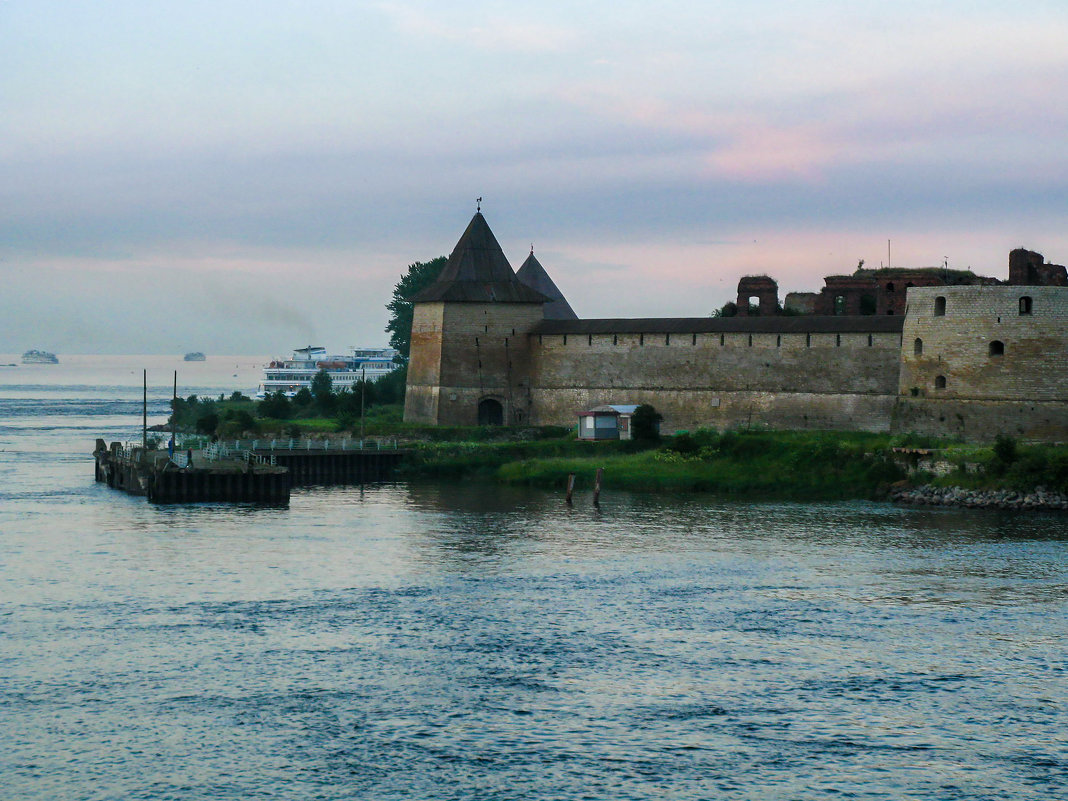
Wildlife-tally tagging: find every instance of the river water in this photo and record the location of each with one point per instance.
(473, 642)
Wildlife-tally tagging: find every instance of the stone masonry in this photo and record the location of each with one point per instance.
(967, 360)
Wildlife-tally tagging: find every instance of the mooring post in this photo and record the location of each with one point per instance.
(597, 486)
(570, 486)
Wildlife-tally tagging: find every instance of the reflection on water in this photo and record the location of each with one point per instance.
(473, 641)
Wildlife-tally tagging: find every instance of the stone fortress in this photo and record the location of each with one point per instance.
(934, 351)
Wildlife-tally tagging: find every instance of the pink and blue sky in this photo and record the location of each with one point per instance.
(247, 177)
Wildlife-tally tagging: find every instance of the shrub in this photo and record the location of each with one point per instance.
(390, 388)
(1005, 449)
(645, 424)
(241, 418)
(275, 405)
(208, 423)
(683, 443)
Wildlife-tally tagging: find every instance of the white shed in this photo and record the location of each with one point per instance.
(611, 421)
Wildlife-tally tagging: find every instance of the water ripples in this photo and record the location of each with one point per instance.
(474, 642)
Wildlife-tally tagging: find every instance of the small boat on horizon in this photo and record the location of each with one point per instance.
(195, 356)
(39, 357)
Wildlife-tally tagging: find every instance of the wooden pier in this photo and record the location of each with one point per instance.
(338, 467)
(249, 471)
(165, 478)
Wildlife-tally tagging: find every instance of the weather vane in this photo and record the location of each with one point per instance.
(478, 204)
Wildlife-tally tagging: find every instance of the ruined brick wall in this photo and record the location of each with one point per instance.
(848, 295)
(463, 353)
(795, 380)
(764, 289)
(801, 302)
(1026, 267)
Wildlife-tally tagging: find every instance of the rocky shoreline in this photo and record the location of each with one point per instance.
(927, 495)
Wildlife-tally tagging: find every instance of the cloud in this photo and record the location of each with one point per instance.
(329, 144)
(496, 33)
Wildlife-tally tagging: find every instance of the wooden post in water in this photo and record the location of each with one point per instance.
(144, 414)
(570, 486)
(597, 486)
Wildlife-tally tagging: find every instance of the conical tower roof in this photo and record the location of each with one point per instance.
(533, 275)
(478, 272)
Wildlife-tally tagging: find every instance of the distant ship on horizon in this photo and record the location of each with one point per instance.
(195, 356)
(39, 357)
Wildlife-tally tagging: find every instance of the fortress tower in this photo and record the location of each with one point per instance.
(470, 351)
(977, 361)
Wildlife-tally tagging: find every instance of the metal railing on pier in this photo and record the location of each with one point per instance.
(309, 444)
(237, 448)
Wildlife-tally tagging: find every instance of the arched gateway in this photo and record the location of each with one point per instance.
(490, 412)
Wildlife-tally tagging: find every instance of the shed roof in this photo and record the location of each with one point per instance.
(478, 272)
(534, 275)
(801, 324)
(612, 408)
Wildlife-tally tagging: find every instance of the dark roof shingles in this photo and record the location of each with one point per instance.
(478, 272)
(534, 275)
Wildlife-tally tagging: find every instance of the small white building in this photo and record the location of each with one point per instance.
(611, 421)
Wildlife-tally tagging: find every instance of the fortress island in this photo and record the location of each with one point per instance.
(932, 351)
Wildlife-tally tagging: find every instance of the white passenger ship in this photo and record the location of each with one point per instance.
(290, 375)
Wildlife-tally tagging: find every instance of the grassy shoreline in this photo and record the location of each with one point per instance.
(756, 464)
(773, 465)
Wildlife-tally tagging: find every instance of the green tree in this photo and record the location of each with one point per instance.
(645, 423)
(275, 405)
(322, 385)
(236, 423)
(1005, 449)
(208, 423)
(390, 388)
(188, 413)
(350, 404)
(322, 389)
(420, 275)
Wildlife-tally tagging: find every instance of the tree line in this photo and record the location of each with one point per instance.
(321, 400)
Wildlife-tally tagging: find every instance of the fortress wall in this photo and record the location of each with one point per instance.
(705, 408)
(795, 380)
(956, 345)
(982, 421)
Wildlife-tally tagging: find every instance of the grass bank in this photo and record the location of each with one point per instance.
(786, 465)
(780, 465)
(798, 465)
